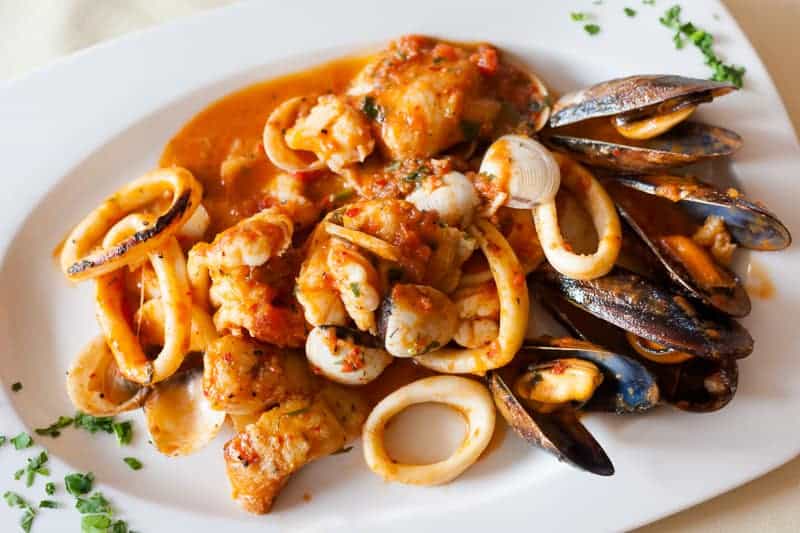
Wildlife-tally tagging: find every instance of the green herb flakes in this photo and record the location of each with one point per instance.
(48, 504)
(630, 12)
(133, 462)
(54, 429)
(3, 439)
(123, 431)
(15, 500)
(93, 424)
(95, 523)
(578, 16)
(94, 504)
(50, 488)
(355, 289)
(36, 465)
(297, 411)
(371, 109)
(22, 441)
(592, 29)
(78, 484)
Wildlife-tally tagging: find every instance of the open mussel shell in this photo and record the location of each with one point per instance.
(96, 386)
(686, 143)
(559, 433)
(652, 219)
(628, 386)
(639, 94)
(697, 385)
(647, 310)
(751, 226)
(179, 418)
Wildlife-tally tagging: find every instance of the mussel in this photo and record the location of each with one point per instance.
(694, 384)
(675, 216)
(628, 387)
(637, 123)
(652, 312)
(558, 432)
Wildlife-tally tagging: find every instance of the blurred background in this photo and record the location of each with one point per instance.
(34, 32)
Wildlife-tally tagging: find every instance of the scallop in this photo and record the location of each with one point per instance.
(455, 200)
(525, 170)
(179, 418)
(416, 319)
(96, 386)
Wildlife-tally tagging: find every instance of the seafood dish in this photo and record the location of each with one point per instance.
(316, 253)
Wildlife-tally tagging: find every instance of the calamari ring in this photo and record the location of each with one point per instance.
(95, 384)
(151, 317)
(465, 395)
(282, 118)
(170, 268)
(594, 198)
(78, 260)
(512, 289)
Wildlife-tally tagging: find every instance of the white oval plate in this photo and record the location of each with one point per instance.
(76, 130)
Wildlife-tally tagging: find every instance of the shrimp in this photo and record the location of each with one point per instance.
(240, 262)
(357, 281)
(478, 313)
(336, 132)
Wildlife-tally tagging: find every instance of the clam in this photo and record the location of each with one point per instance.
(416, 319)
(628, 386)
(639, 123)
(524, 169)
(558, 432)
(96, 386)
(345, 355)
(647, 310)
(695, 384)
(179, 418)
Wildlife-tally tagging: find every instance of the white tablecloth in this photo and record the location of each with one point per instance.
(33, 32)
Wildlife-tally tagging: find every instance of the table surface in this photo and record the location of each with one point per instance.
(63, 26)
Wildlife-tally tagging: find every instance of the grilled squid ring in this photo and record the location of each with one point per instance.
(151, 317)
(604, 216)
(170, 268)
(78, 259)
(282, 118)
(467, 396)
(512, 289)
(96, 386)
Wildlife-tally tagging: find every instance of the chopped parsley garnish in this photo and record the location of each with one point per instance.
(16, 387)
(79, 484)
(15, 500)
(578, 16)
(50, 488)
(18, 474)
(3, 439)
(93, 424)
(592, 29)
(123, 431)
(630, 12)
(417, 175)
(95, 523)
(649, 2)
(54, 429)
(704, 41)
(22, 441)
(94, 504)
(342, 450)
(355, 289)
(133, 462)
(470, 129)
(371, 109)
(36, 465)
(48, 504)
(343, 195)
